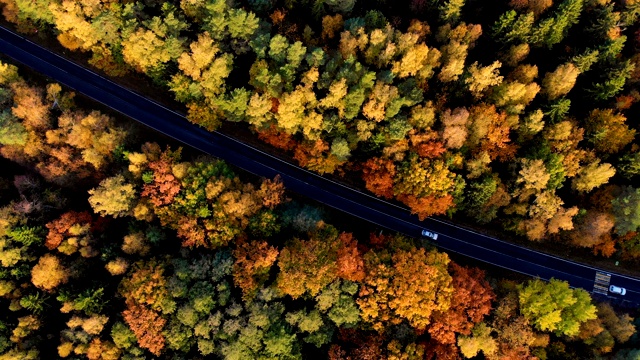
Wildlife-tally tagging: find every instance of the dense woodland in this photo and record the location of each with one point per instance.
(517, 113)
(184, 258)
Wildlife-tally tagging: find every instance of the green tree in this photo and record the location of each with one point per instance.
(614, 80)
(626, 209)
(513, 27)
(450, 10)
(630, 165)
(338, 301)
(558, 109)
(584, 61)
(553, 30)
(554, 306)
(12, 132)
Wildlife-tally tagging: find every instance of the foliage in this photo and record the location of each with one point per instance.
(422, 112)
(113, 197)
(395, 283)
(307, 266)
(49, 273)
(553, 306)
(626, 209)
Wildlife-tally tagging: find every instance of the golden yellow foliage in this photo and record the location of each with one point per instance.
(49, 273)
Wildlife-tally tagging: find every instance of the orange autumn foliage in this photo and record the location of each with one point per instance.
(74, 146)
(59, 228)
(147, 325)
(315, 155)
(277, 138)
(191, 233)
(253, 262)
(497, 143)
(164, 186)
(144, 291)
(605, 248)
(472, 302)
(624, 102)
(30, 106)
(428, 205)
(405, 286)
(271, 192)
(439, 351)
(307, 266)
(350, 261)
(378, 176)
(431, 149)
(379, 241)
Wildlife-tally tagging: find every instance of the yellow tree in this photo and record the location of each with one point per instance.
(76, 32)
(203, 70)
(296, 112)
(482, 77)
(533, 176)
(592, 175)
(425, 185)
(407, 285)
(145, 50)
(560, 81)
(418, 60)
(454, 55)
(607, 131)
(113, 197)
(49, 273)
(380, 97)
(335, 97)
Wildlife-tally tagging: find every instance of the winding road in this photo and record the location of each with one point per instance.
(450, 237)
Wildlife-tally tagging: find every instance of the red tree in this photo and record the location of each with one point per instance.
(472, 301)
(164, 186)
(59, 228)
(378, 176)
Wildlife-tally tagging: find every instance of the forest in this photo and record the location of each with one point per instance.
(517, 115)
(173, 256)
(512, 115)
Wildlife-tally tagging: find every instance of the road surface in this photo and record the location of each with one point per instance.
(450, 237)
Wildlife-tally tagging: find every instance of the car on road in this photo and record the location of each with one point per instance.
(430, 234)
(617, 290)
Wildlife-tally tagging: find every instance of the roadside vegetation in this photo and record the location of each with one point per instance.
(516, 114)
(172, 257)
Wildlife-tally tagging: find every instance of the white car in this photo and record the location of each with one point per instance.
(430, 234)
(617, 290)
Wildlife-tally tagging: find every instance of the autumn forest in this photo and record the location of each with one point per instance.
(520, 116)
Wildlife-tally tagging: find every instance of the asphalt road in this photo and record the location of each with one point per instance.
(450, 237)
